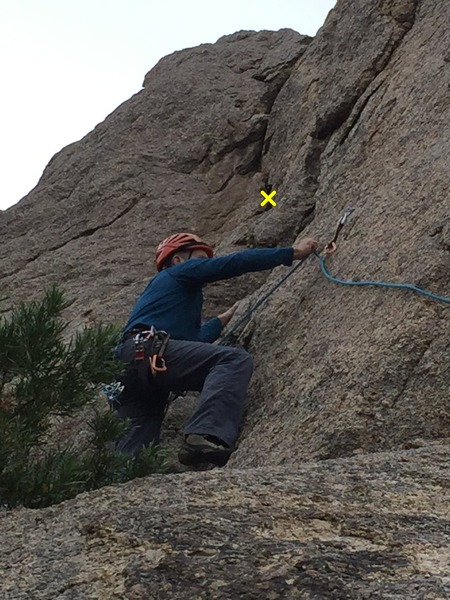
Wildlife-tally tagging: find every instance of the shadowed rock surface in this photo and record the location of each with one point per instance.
(359, 116)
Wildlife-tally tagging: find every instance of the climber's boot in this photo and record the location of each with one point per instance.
(200, 449)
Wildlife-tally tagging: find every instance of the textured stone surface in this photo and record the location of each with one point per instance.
(358, 116)
(183, 153)
(362, 528)
(354, 369)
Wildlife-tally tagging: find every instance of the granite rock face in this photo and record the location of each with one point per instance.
(366, 527)
(358, 369)
(182, 154)
(358, 116)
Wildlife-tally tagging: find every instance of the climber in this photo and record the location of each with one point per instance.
(172, 303)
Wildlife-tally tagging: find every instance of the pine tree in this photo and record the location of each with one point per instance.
(44, 380)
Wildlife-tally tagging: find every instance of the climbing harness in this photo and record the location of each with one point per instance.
(159, 340)
(151, 343)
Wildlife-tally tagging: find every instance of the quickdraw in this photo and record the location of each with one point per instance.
(112, 392)
(331, 247)
(157, 362)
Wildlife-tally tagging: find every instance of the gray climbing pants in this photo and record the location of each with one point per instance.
(221, 373)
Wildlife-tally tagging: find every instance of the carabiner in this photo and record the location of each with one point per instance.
(154, 364)
(331, 247)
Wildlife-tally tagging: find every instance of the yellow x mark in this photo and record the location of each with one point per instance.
(268, 198)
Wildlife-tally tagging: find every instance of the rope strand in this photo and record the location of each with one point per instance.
(249, 313)
(327, 274)
(404, 286)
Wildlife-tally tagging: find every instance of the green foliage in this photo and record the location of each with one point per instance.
(43, 379)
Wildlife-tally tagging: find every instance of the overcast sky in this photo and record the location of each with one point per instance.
(65, 65)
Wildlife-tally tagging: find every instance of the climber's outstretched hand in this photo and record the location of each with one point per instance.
(304, 248)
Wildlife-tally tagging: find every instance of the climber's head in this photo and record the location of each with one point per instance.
(180, 247)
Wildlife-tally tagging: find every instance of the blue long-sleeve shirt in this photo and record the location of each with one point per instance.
(173, 299)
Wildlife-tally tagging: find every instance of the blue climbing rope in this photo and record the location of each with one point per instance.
(329, 249)
(327, 274)
(403, 286)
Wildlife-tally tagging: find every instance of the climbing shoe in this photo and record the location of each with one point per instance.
(201, 449)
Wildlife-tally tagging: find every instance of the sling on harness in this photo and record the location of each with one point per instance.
(151, 344)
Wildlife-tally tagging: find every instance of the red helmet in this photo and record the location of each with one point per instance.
(180, 241)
